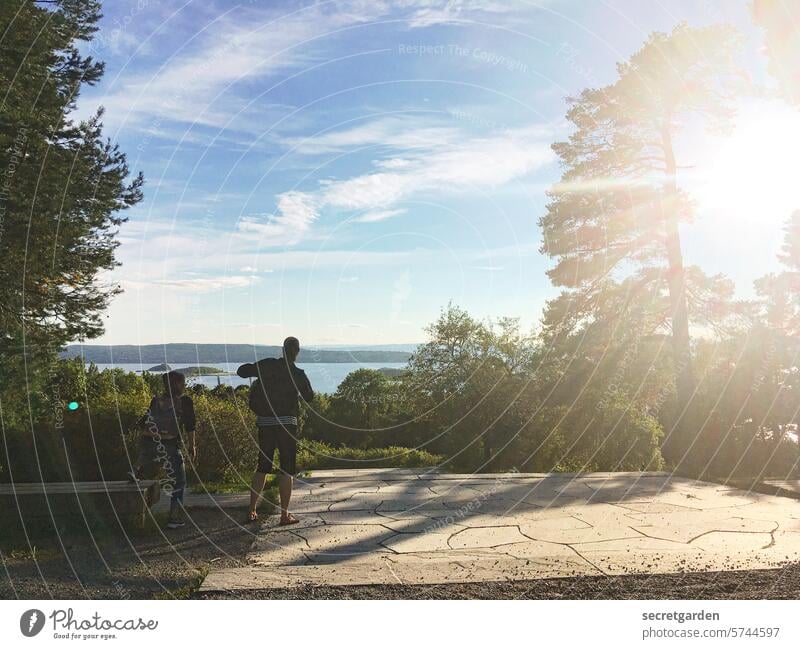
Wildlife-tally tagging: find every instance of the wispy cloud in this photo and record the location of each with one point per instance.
(455, 162)
(388, 132)
(379, 215)
(196, 284)
(205, 81)
(296, 212)
(427, 14)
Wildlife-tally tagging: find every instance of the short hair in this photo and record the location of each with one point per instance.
(291, 344)
(171, 378)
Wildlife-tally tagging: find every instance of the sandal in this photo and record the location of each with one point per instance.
(290, 519)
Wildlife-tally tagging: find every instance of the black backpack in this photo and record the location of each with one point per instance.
(259, 401)
(165, 415)
(266, 393)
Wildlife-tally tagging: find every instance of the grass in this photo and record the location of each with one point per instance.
(313, 455)
(187, 591)
(231, 486)
(318, 455)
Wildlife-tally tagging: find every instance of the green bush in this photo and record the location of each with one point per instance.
(318, 455)
(227, 439)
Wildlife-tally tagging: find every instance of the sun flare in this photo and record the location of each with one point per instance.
(751, 178)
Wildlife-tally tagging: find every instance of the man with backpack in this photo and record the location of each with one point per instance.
(169, 417)
(274, 399)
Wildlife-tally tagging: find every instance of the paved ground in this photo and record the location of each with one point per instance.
(396, 526)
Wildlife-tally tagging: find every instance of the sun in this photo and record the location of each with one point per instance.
(751, 177)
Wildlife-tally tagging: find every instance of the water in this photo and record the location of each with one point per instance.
(324, 377)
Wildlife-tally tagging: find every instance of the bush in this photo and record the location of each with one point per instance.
(318, 455)
(227, 438)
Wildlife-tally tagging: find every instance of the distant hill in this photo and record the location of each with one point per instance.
(186, 353)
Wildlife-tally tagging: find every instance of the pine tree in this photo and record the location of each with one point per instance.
(613, 221)
(62, 186)
(780, 292)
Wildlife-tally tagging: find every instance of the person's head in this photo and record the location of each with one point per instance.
(291, 348)
(174, 383)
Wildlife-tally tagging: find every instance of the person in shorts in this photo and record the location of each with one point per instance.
(274, 398)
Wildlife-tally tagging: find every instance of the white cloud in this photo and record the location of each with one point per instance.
(253, 269)
(198, 84)
(206, 284)
(193, 284)
(380, 215)
(388, 132)
(453, 163)
(195, 86)
(296, 212)
(432, 12)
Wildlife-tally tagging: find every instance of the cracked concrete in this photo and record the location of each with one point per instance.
(403, 526)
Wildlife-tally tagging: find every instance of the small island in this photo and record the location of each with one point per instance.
(162, 367)
(201, 370)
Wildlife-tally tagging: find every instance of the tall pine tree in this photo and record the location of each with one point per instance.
(63, 184)
(63, 187)
(612, 223)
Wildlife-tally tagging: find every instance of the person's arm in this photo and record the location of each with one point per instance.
(305, 388)
(247, 370)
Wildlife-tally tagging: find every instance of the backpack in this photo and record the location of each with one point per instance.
(164, 416)
(274, 392)
(259, 401)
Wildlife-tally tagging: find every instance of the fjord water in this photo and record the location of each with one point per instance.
(324, 377)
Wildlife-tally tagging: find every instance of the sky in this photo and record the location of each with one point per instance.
(341, 171)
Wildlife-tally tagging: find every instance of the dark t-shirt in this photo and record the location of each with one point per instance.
(168, 418)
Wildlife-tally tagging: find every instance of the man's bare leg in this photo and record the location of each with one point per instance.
(285, 488)
(256, 487)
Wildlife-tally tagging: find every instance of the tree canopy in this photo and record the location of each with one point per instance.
(64, 184)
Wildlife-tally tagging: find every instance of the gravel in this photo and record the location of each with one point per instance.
(139, 564)
(751, 584)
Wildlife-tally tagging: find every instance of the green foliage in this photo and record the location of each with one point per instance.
(363, 410)
(318, 455)
(65, 173)
(64, 187)
(612, 223)
(227, 439)
(485, 396)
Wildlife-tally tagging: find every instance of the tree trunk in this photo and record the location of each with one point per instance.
(678, 444)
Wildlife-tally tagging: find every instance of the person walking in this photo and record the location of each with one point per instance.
(274, 398)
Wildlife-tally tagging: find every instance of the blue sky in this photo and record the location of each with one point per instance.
(340, 171)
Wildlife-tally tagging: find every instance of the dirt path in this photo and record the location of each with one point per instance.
(143, 565)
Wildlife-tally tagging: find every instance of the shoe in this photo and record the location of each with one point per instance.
(175, 524)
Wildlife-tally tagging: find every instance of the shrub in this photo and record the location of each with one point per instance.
(318, 455)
